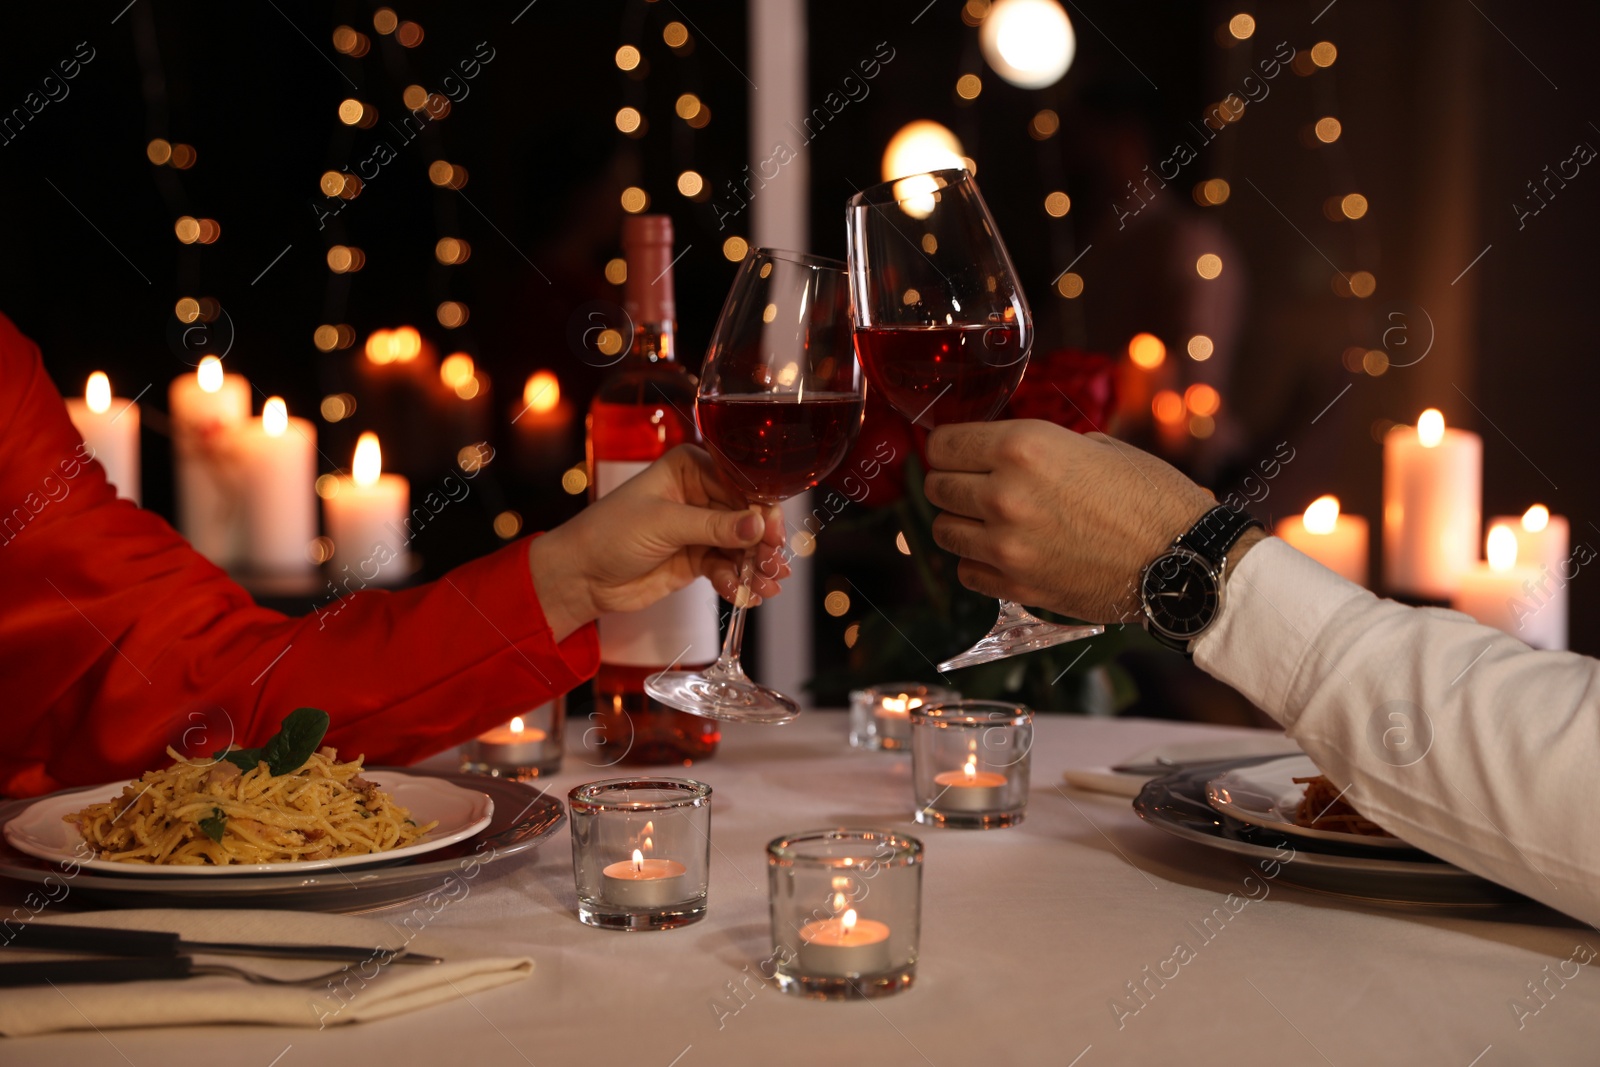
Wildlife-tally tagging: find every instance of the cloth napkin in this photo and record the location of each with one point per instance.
(356, 993)
(1105, 780)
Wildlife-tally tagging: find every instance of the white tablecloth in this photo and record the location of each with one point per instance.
(1028, 937)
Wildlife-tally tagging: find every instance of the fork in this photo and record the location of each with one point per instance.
(77, 972)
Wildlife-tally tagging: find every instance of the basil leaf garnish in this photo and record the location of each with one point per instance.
(215, 825)
(286, 751)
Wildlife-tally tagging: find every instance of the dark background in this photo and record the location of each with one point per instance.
(1448, 109)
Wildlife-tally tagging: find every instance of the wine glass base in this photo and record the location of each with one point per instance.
(731, 699)
(1016, 636)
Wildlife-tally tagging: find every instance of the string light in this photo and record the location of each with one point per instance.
(575, 480)
(1353, 205)
(507, 525)
(1212, 192)
(1057, 204)
(734, 249)
(1323, 53)
(634, 200)
(1328, 129)
(1147, 351)
(187, 309)
(836, 603)
(1070, 285)
(346, 259)
(447, 175)
(350, 42)
(1200, 348)
(687, 106)
(452, 251)
(1202, 399)
(1242, 26)
(384, 20)
(617, 269)
(1208, 266)
(690, 184)
(676, 34)
(158, 151)
(628, 57)
(1044, 125)
(409, 34)
(451, 314)
(1167, 407)
(629, 120)
(968, 86)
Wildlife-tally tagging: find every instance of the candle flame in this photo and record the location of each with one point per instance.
(97, 394)
(839, 901)
(1323, 515)
(649, 844)
(1534, 519)
(638, 860)
(210, 374)
(971, 768)
(847, 922)
(368, 462)
(542, 393)
(897, 705)
(1502, 548)
(274, 416)
(1430, 428)
(517, 725)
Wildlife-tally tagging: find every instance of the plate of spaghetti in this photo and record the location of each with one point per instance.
(293, 809)
(1292, 796)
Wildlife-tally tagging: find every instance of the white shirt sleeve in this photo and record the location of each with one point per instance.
(1454, 736)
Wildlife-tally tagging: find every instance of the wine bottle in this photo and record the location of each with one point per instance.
(644, 407)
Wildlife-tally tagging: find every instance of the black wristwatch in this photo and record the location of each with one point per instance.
(1180, 591)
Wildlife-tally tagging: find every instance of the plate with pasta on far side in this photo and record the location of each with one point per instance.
(289, 806)
(1291, 796)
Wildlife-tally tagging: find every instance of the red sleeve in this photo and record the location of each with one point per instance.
(117, 639)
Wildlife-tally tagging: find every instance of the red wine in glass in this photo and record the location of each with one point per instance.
(777, 447)
(779, 406)
(936, 375)
(943, 331)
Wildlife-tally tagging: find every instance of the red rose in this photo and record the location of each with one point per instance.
(874, 472)
(1069, 387)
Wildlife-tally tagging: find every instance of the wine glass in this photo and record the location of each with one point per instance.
(943, 332)
(779, 405)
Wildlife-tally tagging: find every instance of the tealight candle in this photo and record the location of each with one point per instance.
(880, 715)
(1337, 541)
(278, 457)
(1432, 503)
(845, 946)
(515, 742)
(366, 514)
(969, 789)
(644, 883)
(206, 408)
(543, 423)
(1500, 593)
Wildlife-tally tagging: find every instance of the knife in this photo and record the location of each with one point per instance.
(103, 941)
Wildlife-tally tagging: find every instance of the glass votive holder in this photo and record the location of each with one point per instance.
(529, 746)
(641, 852)
(969, 763)
(846, 912)
(880, 714)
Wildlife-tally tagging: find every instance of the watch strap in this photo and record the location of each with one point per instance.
(1215, 532)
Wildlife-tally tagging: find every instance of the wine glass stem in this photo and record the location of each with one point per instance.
(728, 662)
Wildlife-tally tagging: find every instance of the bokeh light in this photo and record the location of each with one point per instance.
(1057, 204)
(734, 249)
(1200, 348)
(1147, 351)
(1208, 266)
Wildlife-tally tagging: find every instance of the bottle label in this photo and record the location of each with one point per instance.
(680, 628)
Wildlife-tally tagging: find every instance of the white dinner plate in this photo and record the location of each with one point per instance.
(1266, 794)
(41, 830)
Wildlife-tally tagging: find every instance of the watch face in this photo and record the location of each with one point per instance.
(1181, 594)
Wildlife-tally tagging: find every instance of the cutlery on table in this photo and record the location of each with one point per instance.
(155, 944)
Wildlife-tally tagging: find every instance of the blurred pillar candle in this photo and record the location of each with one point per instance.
(1544, 542)
(1502, 593)
(543, 424)
(278, 463)
(366, 513)
(1335, 540)
(207, 408)
(1432, 505)
(110, 426)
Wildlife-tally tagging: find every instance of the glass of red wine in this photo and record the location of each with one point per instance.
(779, 405)
(943, 332)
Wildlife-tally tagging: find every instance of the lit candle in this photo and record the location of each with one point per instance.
(642, 883)
(543, 423)
(110, 426)
(1501, 593)
(1335, 540)
(207, 407)
(843, 947)
(515, 742)
(969, 789)
(1544, 542)
(1432, 503)
(366, 514)
(894, 716)
(278, 460)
